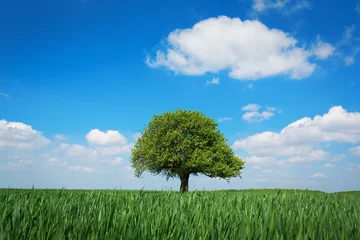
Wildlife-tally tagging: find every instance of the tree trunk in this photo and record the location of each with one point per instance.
(184, 186)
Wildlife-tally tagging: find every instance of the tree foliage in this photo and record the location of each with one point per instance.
(184, 143)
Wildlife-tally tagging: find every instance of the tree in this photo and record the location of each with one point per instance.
(184, 143)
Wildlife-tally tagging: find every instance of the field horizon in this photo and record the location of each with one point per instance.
(195, 190)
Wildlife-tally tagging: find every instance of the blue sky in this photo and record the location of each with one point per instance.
(79, 79)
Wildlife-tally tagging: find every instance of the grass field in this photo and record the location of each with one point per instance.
(111, 214)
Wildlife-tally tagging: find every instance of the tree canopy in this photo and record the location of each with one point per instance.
(184, 143)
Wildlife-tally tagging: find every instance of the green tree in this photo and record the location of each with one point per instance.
(184, 143)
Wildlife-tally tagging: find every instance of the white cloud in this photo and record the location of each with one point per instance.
(338, 158)
(348, 36)
(300, 5)
(76, 151)
(322, 50)
(249, 50)
(297, 138)
(312, 156)
(224, 119)
(328, 165)
(349, 60)
(353, 167)
(249, 86)
(136, 136)
(116, 150)
(214, 81)
(318, 175)
(19, 165)
(254, 116)
(260, 160)
(283, 5)
(116, 161)
(270, 109)
(257, 117)
(17, 135)
(109, 138)
(357, 8)
(60, 137)
(262, 5)
(81, 169)
(5, 95)
(355, 151)
(251, 107)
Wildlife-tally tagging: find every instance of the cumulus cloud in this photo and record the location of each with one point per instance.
(328, 165)
(297, 138)
(109, 138)
(17, 135)
(60, 137)
(76, 151)
(260, 160)
(224, 119)
(19, 165)
(338, 158)
(214, 81)
(253, 114)
(257, 117)
(136, 136)
(318, 175)
(355, 151)
(249, 50)
(322, 50)
(81, 169)
(251, 107)
(116, 161)
(312, 156)
(115, 150)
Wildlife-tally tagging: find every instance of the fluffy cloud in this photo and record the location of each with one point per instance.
(81, 169)
(214, 81)
(251, 107)
(312, 156)
(254, 116)
(297, 138)
(109, 138)
(328, 165)
(318, 175)
(355, 151)
(322, 50)
(260, 160)
(116, 150)
(338, 158)
(17, 135)
(60, 137)
(248, 49)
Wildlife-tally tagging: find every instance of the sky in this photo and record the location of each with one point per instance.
(80, 79)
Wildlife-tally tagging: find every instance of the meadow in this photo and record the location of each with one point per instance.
(120, 214)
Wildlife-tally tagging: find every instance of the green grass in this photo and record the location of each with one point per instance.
(111, 214)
